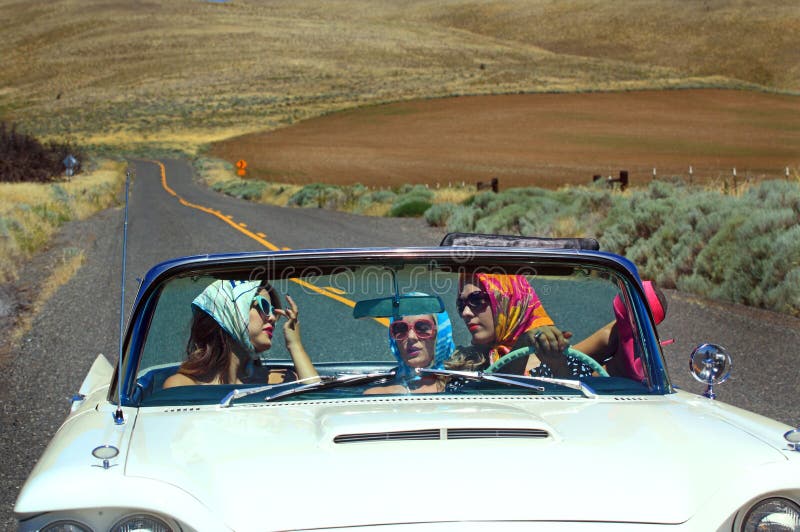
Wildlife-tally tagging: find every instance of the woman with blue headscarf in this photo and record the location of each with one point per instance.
(232, 322)
(418, 341)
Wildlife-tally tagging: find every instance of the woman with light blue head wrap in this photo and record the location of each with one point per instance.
(418, 341)
(232, 322)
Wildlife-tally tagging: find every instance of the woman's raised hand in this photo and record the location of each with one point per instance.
(291, 328)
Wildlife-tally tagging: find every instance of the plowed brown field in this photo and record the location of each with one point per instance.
(542, 139)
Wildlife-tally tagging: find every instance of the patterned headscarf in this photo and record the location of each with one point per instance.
(444, 344)
(228, 302)
(515, 306)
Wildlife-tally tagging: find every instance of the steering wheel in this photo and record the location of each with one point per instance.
(569, 351)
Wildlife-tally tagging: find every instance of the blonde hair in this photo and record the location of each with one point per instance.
(468, 358)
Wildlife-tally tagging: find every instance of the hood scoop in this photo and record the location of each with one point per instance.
(442, 434)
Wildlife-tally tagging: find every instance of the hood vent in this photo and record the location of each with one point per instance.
(429, 434)
(436, 434)
(470, 434)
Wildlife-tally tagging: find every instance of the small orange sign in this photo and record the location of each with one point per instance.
(241, 164)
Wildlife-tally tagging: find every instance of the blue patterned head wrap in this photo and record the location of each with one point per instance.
(229, 302)
(444, 344)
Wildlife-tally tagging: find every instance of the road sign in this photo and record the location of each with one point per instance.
(70, 163)
(241, 164)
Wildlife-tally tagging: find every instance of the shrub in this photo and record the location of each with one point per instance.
(314, 195)
(744, 249)
(409, 208)
(439, 213)
(506, 220)
(417, 192)
(381, 196)
(462, 220)
(24, 158)
(238, 188)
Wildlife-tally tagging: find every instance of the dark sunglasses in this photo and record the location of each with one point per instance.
(263, 306)
(476, 301)
(423, 328)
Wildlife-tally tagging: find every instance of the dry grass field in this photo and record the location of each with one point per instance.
(183, 73)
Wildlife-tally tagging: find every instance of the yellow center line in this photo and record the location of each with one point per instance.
(242, 228)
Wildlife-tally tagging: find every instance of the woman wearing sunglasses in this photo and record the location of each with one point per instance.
(232, 322)
(420, 341)
(503, 313)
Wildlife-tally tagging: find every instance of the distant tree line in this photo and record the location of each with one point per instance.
(25, 158)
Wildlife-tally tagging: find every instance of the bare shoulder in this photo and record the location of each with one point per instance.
(178, 379)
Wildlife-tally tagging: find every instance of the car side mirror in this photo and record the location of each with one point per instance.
(710, 364)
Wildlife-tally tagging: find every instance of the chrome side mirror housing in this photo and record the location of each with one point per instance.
(793, 437)
(710, 364)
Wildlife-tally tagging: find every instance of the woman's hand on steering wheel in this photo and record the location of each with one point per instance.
(549, 341)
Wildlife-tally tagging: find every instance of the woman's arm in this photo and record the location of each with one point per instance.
(291, 333)
(598, 344)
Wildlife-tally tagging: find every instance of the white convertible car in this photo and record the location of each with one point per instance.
(408, 388)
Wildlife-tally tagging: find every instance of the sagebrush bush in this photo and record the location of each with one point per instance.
(370, 199)
(411, 201)
(438, 214)
(409, 208)
(743, 248)
(239, 188)
(505, 220)
(318, 195)
(462, 219)
(417, 192)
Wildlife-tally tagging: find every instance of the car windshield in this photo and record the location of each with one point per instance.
(368, 328)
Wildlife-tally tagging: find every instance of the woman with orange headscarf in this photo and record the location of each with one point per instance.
(503, 312)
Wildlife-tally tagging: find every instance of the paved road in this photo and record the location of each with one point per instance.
(82, 319)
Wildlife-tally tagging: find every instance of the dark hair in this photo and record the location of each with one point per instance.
(209, 347)
(208, 350)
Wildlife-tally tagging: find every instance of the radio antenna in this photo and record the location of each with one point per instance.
(119, 418)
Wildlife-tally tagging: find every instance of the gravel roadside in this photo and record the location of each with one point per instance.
(41, 373)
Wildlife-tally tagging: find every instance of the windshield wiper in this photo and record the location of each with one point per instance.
(512, 380)
(292, 388)
(333, 382)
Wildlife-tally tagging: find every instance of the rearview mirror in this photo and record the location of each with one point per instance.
(389, 307)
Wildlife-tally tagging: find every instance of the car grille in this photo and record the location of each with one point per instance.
(436, 434)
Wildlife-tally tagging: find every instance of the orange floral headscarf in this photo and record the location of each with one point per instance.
(515, 306)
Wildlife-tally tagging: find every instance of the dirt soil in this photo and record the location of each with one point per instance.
(543, 140)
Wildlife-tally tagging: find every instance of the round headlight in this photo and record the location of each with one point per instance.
(66, 526)
(773, 515)
(141, 523)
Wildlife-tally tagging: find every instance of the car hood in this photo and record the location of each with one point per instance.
(284, 465)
